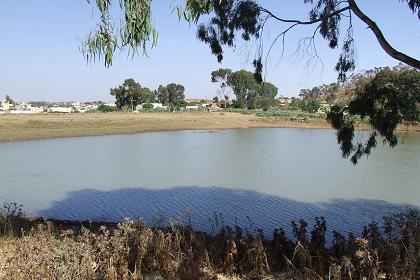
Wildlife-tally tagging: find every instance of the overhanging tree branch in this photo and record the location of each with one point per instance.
(381, 38)
(298, 22)
(353, 7)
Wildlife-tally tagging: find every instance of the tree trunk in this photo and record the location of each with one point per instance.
(381, 39)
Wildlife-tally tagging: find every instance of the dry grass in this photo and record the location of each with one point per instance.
(42, 126)
(69, 250)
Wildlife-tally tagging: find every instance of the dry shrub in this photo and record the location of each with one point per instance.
(50, 250)
(255, 263)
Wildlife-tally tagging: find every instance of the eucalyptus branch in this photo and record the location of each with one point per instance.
(299, 22)
(381, 38)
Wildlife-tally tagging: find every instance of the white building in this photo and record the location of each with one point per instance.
(284, 100)
(20, 111)
(57, 109)
(6, 105)
(36, 110)
(84, 107)
(111, 104)
(192, 107)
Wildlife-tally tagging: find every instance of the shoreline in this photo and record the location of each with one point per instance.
(54, 126)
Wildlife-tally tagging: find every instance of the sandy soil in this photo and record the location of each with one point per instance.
(43, 126)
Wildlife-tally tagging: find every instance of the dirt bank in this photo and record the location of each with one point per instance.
(43, 126)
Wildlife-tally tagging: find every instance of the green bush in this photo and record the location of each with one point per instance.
(311, 106)
(147, 106)
(241, 110)
(155, 110)
(265, 103)
(105, 108)
(284, 113)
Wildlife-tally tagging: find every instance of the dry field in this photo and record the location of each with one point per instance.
(42, 126)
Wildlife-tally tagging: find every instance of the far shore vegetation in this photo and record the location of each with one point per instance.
(240, 102)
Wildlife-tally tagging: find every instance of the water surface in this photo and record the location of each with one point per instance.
(254, 177)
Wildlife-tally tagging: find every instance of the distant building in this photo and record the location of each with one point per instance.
(84, 107)
(110, 104)
(211, 107)
(20, 111)
(6, 105)
(56, 109)
(192, 107)
(36, 110)
(284, 100)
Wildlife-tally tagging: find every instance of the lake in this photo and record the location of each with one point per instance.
(252, 177)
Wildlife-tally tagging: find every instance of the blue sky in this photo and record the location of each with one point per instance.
(40, 58)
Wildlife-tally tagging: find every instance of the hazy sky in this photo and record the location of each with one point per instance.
(40, 58)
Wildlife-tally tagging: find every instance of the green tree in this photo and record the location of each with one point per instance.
(147, 96)
(127, 94)
(267, 90)
(221, 77)
(177, 105)
(175, 92)
(384, 101)
(324, 91)
(162, 95)
(266, 93)
(249, 92)
(120, 95)
(130, 94)
(170, 93)
(9, 100)
(243, 85)
(311, 105)
(133, 90)
(265, 103)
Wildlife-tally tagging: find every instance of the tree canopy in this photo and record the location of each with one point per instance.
(170, 94)
(384, 100)
(9, 100)
(221, 76)
(130, 94)
(249, 93)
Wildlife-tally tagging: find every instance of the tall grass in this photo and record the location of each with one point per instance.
(43, 249)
